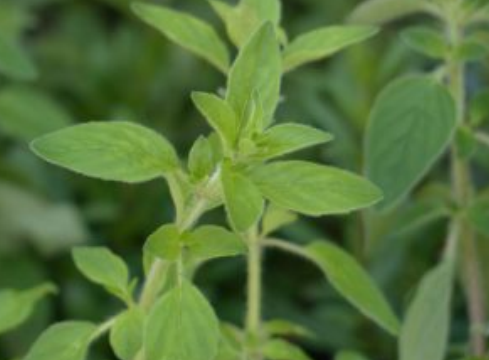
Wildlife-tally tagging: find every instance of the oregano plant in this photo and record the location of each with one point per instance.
(415, 123)
(238, 167)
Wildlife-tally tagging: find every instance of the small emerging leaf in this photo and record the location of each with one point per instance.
(321, 43)
(201, 159)
(117, 151)
(287, 138)
(189, 32)
(164, 243)
(275, 218)
(354, 283)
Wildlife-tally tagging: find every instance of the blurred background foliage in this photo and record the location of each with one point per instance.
(83, 60)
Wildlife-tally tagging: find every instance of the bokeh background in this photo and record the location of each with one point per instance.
(93, 60)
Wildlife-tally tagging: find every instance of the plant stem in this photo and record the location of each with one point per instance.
(253, 316)
(463, 191)
(102, 329)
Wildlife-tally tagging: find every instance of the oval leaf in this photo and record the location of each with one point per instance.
(411, 125)
(210, 242)
(314, 189)
(424, 334)
(63, 341)
(183, 326)
(117, 151)
(354, 283)
(126, 336)
(321, 43)
(187, 31)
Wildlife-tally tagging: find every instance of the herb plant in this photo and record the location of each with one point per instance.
(236, 167)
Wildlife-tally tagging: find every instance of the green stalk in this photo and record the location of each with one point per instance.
(462, 233)
(253, 315)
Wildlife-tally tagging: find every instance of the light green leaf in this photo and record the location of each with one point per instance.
(286, 329)
(278, 349)
(243, 202)
(201, 158)
(117, 151)
(244, 19)
(410, 127)
(64, 341)
(324, 42)
(26, 113)
(426, 41)
(275, 218)
(14, 61)
(424, 334)
(354, 283)
(257, 68)
(164, 243)
(232, 341)
(103, 267)
(349, 355)
(209, 242)
(287, 138)
(17, 306)
(126, 336)
(314, 189)
(219, 115)
(187, 31)
(383, 11)
(182, 326)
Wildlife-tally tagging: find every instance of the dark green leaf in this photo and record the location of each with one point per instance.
(410, 127)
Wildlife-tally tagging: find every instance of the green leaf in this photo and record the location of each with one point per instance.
(64, 341)
(232, 341)
(314, 189)
(354, 283)
(126, 335)
(471, 50)
(286, 328)
(479, 108)
(219, 115)
(257, 68)
(287, 138)
(349, 355)
(383, 11)
(182, 326)
(426, 41)
(17, 306)
(187, 31)
(244, 19)
(278, 349)
(243, 202)
(478, 214)
(275, 218)
(164, 243)
(117, 151)
(324, 42)
(201, 158)
(26, 114)
(103, 267)
(424, 334)
(466, 142)
(210, 242)
(411, 126)
(14, 61)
